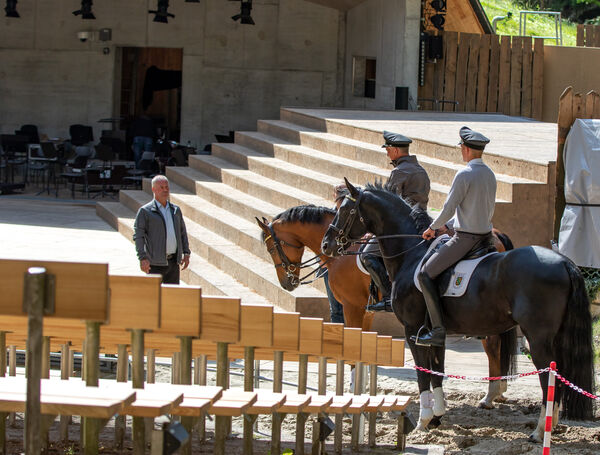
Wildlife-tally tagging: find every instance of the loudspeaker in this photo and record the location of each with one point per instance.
(402, 98)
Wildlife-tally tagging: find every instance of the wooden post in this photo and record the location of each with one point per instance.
(565, 120)
(64, 375)
(357, 418)
(91, 426)
(122, 375)
(12, 371)
(249, 387)
(221, 422)
(151, 366)
(35, 297)
(339, 418)
(278, 417)
(3, 415)
(200, 374)
(322, 390)
(175, 367)
(137, 379)
(185, 377)
(372, 415)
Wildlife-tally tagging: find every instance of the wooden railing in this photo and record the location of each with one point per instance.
(486, 73)
(588, 35)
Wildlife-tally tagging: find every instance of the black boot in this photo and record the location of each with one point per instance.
(376, 268)
(437, 335)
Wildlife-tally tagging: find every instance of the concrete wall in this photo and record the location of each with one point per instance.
(233, 74)
(578, 67)
(387, 30)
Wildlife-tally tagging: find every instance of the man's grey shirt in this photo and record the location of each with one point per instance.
(409, 180)
(472, 197)
(150, 234)
(171, 238)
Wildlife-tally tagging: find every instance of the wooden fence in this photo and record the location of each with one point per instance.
(588, 35)
(486, 73)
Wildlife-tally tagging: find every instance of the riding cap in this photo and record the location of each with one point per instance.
(395, 140)
(472, 139)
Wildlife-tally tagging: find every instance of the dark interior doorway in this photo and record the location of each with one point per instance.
(151, 85)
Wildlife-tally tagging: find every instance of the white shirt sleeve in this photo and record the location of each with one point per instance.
(455, 196)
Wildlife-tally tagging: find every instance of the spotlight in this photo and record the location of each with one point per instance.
(244, 16)
(86, 10)
(438, 21)
(438, 5)
(161, 14)
(11, 8)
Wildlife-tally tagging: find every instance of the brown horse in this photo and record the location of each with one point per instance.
(297, 228)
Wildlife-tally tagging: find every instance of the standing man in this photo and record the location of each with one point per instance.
(160, 237)
(410, 181)
(472, 198)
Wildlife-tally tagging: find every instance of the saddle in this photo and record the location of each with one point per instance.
(454, 281)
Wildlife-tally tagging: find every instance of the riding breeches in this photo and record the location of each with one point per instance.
(451, 252)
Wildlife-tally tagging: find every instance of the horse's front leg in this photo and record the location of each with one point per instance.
(421, 358)
(491, 346)
(438, 356)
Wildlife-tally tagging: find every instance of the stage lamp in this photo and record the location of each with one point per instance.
(161, 14)
(86, 10)
(438, 21)
(438, 5)
(11, 8)
(244, 17)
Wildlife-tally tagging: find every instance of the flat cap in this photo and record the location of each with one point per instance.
(395, 140)
(472, 138)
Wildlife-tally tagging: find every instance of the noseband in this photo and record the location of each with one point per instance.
(288, 266)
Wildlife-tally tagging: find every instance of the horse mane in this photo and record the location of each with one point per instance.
(419, 215)
(303, 214)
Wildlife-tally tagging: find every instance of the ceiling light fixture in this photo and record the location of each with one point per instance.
(162, 14)
(244, 17)
(86, 10)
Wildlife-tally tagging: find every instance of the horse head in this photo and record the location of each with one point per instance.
(286, 255)
(344, 228)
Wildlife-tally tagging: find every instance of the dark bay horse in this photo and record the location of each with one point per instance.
(304, 226)
(532, 287)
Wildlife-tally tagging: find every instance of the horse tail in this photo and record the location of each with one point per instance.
(505, 240)
(508, 348)
(573, 345)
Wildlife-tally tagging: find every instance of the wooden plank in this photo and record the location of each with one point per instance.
(384, 350)
(294, 403)
(461, 70)
(266, 403)
(504, 76)
(375, 403)
(318, 403)
(333, 340)
(589, 35)
(472, 73)
(81, 288)
(516, 70)
(494, 74)
(368, 347)
(149, 404)
(580, 35)
(311, 336)
(483, 73)
(181, 310)
(340, 404)
(596, 36)
(526, 94)
(359, 403)
(397, 353)
(256, 325)
(220, 319)
(596, 104)
(135, 302)
(451, 43)
(401, 403)
(286, 331)
(565, 120)
(352, 342)
(538, 78)
(388, 402)
(578, 106)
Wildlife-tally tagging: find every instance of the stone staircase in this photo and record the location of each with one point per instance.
(292, 161)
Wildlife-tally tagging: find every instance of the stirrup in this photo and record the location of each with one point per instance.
(415, 338)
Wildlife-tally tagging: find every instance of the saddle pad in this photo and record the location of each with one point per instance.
(360, 265)
(460, 275)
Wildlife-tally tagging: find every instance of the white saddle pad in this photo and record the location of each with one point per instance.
(461, 273)
(360, 265)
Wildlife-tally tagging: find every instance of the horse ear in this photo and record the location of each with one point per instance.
(351, 188)
(262, 225)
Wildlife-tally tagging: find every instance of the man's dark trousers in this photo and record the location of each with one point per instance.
(170, 273)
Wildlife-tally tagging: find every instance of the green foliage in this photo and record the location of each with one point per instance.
(596, 338)
(541, 25)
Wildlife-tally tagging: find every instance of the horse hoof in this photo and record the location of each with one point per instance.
(485, 405)
(501, 399)
(435, 422)
(421, 427)
(534, 437)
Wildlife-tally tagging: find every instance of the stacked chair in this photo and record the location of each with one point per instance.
(52, 306)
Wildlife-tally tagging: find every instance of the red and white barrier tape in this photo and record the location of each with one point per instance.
(476, 378)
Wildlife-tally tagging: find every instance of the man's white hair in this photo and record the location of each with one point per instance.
(159, 178)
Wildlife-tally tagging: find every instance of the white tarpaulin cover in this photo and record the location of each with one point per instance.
(579, 237)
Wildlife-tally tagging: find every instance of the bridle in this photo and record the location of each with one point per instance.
(342, 239)
(288, 266)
